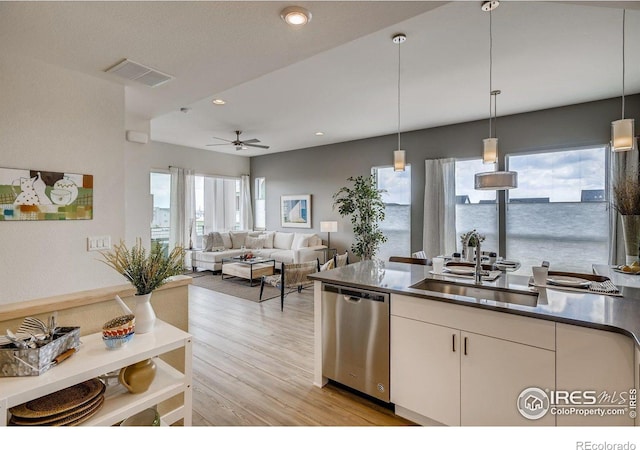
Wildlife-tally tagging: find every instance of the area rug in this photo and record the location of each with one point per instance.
(237, 287)
(193, 274)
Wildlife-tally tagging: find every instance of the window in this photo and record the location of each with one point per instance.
(161, 197)
(559, 210)
(475, 209)
(260, 204)
(217, 205)
(397, 223)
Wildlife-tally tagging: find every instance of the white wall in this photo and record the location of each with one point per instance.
(204, 162)
(137, 201)
(58, 120)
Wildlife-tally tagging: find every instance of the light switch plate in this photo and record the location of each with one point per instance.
(98, 243)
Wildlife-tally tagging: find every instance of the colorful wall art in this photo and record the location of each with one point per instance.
(39, 195)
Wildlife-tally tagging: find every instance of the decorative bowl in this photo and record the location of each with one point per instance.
(115, 342)
(119, 326)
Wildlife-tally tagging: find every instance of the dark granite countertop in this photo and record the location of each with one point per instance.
(611, 313)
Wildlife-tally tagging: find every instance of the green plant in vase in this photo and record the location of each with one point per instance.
(146, 271)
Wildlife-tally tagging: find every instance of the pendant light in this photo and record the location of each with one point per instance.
(399, 159)
(500, 179)
(622, 133)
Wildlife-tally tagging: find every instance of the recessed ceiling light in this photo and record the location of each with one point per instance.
(319, 133)
(295, 15)
(218, 101)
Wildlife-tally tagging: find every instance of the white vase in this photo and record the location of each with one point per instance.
(145, 315)
(631, 229)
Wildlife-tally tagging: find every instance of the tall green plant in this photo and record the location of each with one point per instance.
(363, 202)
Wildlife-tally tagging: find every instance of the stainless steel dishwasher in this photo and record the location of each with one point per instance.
(355, 339)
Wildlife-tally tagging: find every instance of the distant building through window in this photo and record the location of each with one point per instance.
(397, 223)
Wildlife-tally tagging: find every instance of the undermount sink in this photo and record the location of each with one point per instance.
(480, 292)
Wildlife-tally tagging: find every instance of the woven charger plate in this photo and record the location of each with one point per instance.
(60, 401)
(53, 420)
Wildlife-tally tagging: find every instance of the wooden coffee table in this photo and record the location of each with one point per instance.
(249, 269)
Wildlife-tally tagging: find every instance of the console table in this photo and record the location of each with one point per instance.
(94, 359)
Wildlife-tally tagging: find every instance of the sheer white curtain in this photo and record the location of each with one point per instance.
(439, 232)
(182, 207)
(246, 214)
(219, 204)
(623, 165)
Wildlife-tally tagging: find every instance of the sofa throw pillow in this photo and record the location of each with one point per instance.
(216, 241)
(254, 243)
(226, 239)
(300, 240)
(268, 239)
(238, 238)
(282, 240)
(208, 242)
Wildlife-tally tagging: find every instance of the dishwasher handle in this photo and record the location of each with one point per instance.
(356, 295)
(352, 299)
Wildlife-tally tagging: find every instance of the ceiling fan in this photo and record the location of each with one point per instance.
(240, 145)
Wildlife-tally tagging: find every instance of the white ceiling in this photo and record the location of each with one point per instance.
(339, 73)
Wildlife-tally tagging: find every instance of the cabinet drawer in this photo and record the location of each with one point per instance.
(525, 330)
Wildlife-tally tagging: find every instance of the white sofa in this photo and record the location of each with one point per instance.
(281, 246)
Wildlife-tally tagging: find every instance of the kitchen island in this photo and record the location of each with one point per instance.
(464, 360)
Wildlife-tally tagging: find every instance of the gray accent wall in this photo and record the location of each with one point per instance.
(321, 171)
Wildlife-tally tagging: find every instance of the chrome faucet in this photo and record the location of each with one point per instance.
(478, 269)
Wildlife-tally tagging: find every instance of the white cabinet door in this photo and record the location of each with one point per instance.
(425, 369)
(594, 360)
(493, 374)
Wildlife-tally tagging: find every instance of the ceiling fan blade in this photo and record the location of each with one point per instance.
(226, 140)
(212, 145)
(252, 141)
(258, 146)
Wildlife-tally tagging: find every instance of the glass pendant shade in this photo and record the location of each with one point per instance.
(622, 135)
(496, 180)
(490, 153)
(399, 160)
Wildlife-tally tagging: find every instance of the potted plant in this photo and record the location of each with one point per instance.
(626, 200)
(468, 239)
(146, 272)
(363, 202)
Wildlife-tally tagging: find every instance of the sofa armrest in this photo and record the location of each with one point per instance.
(308, 253)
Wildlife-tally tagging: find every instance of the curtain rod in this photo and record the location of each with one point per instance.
(235, 177)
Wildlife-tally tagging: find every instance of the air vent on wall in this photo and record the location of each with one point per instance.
(135, 71)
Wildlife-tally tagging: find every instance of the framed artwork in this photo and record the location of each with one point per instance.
(295, 211)
(27, 194)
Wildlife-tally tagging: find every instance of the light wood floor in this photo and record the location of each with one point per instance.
(253, 365)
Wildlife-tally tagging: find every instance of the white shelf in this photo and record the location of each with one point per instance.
(94, 359)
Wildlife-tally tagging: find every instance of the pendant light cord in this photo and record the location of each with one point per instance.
(399, 45)
(490, 75)
(624, 11)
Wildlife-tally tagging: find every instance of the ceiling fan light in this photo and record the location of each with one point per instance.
(295, 15)
(622, 135)
(490, 152)
(496, 181)
(399, 161)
